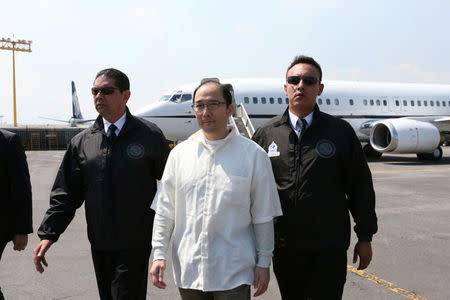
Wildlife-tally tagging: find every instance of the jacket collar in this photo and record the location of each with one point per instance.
(284, 120)
(129, 124)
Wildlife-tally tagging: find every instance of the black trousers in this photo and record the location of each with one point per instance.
(317, 275)
(121, 274)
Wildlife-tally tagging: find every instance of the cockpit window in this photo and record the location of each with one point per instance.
(175, 97)
(164, 98)
(186, 97)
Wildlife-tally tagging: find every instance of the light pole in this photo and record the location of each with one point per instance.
(19, 45)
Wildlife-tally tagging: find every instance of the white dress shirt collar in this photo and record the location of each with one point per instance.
(119, 123)
(294, 119)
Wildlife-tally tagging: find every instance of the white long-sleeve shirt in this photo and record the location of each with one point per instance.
(215, 195)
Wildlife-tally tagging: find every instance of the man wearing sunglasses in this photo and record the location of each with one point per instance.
(218, 197)
(112, 167)
(322, 175)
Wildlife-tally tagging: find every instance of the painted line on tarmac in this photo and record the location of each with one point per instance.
(411, 171)
(389, 285)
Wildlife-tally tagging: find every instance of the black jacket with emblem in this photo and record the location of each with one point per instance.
(117, 183)
(319, 181)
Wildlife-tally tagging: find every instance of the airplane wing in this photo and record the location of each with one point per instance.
(85, 121)
(443, 125)
(65, 121)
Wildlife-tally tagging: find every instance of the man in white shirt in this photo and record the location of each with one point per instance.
(217, 198)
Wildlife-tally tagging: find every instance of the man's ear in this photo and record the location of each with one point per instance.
(126, 95)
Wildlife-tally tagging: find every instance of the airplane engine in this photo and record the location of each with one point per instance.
(404, 136)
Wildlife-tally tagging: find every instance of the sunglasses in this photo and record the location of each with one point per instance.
(106, 90)
(308, 80)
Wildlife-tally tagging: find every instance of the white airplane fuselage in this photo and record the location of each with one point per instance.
(362, 104)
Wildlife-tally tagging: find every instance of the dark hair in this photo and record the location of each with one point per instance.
(302, 59)
(120, 79)
(223, 89)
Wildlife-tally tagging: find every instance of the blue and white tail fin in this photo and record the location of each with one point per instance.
(76, 112)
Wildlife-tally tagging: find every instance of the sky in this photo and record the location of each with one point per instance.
(163, 44)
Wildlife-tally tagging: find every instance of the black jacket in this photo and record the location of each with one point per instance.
(117, 183)
(15, 188)
(319, 181)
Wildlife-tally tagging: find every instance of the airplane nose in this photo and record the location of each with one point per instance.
(150, 110)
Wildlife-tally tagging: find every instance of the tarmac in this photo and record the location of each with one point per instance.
(411, 249)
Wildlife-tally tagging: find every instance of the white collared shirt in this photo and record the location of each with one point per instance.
(119, 123)
(215, 195)
(295, 118)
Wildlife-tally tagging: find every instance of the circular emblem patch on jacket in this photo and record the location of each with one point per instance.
(135, 151)
(325, 148)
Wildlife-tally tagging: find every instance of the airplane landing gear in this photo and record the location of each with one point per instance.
(435, 155)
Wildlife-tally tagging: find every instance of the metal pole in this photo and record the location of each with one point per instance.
(14, 88)
(19, 45)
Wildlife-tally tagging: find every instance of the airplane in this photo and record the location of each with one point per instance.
(387, 117)
(77, 117)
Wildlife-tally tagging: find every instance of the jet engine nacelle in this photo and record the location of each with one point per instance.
(404, 136)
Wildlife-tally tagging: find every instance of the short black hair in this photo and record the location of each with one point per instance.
(223, 88)
(120, 79)
(302, 59)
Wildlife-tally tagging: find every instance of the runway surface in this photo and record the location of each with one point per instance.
(411, 249)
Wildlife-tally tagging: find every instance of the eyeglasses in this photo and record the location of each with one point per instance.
(106, 90)
(308, 80)
(211, 105)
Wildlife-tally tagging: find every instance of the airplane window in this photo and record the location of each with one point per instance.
(175, 97)
(246, 100)
(425, 103)
(412, 102)
(255, 100)
(419, 103)
(443, 103)
(336, 101)
(280, 101)
(287, 100)
(271, 100)
(365, 102)
(263, 100)
(405, 103)
(328, 101)
(431, 103)
(371, 102)
(319, 101)
(378, 102)
(438, 103)
(164, 98)
(448, 103)
(350, 101)
(186, 97)
(384, 102)
(397, 103)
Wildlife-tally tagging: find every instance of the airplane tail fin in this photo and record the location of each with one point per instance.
(76, 112)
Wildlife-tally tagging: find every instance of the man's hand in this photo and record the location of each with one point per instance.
(364, 251)
(157, 273)
(39, 255)
(20, 241)
(261, 282)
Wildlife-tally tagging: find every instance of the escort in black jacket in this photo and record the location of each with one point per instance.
(15, 194)
(116, 179)
(321, 174)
